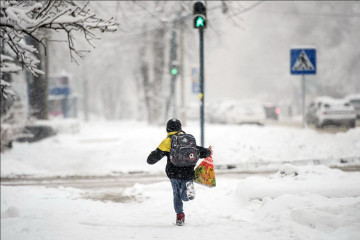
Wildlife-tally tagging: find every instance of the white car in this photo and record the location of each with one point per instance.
(219, 112)
(247, 111)
(326, 110)
(355, 101)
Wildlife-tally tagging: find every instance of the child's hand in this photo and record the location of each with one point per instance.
(211, 151)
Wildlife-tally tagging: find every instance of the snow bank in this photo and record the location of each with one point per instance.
(99, 149)
(293, 180)
(311, 202)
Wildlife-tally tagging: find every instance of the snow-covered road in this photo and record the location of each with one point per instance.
(312, 202)
(298, 202)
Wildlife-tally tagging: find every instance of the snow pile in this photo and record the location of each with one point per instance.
(311, 202)
(106, 148)
(312, 205)
(308, 179)
(11, 212)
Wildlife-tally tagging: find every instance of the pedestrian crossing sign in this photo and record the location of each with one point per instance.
(303, 61)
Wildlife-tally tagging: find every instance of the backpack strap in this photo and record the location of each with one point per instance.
(177, 133)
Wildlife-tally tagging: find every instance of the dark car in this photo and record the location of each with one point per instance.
(36, 133)
(272, 112)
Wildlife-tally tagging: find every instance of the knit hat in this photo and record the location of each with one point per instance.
(173, 125)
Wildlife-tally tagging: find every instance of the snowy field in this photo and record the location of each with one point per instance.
(297, 202)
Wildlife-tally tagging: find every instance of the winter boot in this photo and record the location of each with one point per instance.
(180, 219)
(190, 190)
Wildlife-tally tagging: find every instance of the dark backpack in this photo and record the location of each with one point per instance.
(184, 151)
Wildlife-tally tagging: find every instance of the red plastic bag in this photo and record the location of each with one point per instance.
(205, 173)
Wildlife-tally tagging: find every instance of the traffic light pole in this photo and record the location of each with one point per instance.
(201, 32)
(199, 12)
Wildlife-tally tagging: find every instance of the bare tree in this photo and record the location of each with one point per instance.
(25, 24)
(138, 56)
(21, 19)
(159, 18)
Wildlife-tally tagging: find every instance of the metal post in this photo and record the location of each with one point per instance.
(172, 98)
(182, 80)
(201, 32)
(303, 101)
(174, 59)
(86, 101)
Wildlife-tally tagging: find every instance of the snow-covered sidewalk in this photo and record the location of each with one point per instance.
(315, 203)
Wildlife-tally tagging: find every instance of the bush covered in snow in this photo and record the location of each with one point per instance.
(13, 122)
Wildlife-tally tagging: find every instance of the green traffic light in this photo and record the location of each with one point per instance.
(200, 22)
(174, 71)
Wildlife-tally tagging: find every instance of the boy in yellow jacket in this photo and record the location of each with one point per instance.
(181, 178)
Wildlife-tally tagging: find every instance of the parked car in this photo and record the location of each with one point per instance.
(355, 101)
(219, 112)
(193, 111)
(247, 111)
(326, 110)
(271, 111)
(36, 133)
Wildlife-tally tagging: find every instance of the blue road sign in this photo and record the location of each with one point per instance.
(303, 61)
(195, 87)
(59, 91)
(195, 80)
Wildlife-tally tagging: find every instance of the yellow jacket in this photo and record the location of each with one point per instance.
(165, 145)
(172, 171)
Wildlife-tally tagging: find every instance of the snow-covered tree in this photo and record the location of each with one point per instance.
(26, 24)
(12, 125)
(36, 19)
(128, 73)
(146, 29)
(7, 65)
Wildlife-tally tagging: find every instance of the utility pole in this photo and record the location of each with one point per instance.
(174, 70)
(182, 80)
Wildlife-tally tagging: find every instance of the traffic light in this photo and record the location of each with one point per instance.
(174, 70)
(199, 15)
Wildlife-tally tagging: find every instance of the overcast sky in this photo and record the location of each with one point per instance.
(254, 60)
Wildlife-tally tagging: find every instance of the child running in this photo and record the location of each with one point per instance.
(181, 177)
